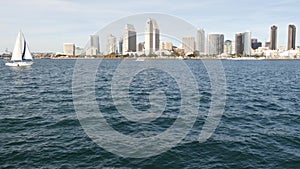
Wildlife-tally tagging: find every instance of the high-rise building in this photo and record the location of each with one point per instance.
(152, 40)
(120, 49)
(200, 41)
(111, 44)
(239, 45)
(129, 39)
(188, 44)
(247, 43)
(215, 44)
(69, 49)
(273, 45)
(291, 37)
(94, 48)
(228, 47)
(243, 43)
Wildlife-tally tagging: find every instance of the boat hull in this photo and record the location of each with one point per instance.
(18, 64)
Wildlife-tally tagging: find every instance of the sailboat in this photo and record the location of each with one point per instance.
(21, 55)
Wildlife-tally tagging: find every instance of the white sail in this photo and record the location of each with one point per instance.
(17, 52)
(27, 55)
(21, 50)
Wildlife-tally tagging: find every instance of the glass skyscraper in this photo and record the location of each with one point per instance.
(200, 41)
(215, 44)
(291, 37)
(152, 39)
(129, 39)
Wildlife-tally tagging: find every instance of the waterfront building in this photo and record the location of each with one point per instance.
(200, 41)
(268, 45)
(233, 47)
(273, 41)
(166, 46)
(141, 46)
(94, 48)
(247, 43)
(120, 49)
(228, 47)
(69, 49)
(215, 44)
(291, 37)
(255, 44)
(243, 43)
(79, 51)
(111, 44)
(188, 44)
(129, 39)
(152, 37)
(239, 45)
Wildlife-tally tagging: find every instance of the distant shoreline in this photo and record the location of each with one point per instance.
(145, 58)
(160, 58)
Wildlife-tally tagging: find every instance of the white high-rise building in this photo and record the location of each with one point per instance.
(129, 39)
(111, 44)
(69, 49)
(200, 41)
(152, 40)
(188, 44)
(215, 44)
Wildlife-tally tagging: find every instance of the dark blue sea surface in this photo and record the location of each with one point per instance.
(260, 127)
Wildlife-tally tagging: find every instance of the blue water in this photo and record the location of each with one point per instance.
(260, 127)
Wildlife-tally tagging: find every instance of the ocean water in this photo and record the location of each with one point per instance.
(260, 127)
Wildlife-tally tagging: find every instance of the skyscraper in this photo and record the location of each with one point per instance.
(239, 45)
(95, 45)
(247, 43)
(111, 44)
(94, 48)
(215, 44)
(188, 44)
(291, 37)
(273, 37)
(120, 49)
(243, 43)
(152, 40)
(228, 47)
(129, 39)
(200, 41)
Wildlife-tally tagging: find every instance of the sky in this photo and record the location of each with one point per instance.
(47, 24)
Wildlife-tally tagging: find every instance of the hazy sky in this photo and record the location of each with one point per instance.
(47, 24)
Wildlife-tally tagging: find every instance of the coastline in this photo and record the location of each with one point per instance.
(164, 58)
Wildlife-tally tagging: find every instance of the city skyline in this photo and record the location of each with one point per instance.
(61, 21)
(242, 45)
